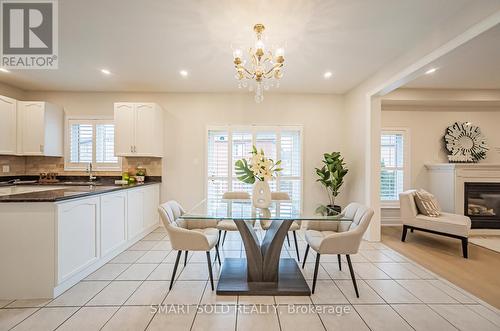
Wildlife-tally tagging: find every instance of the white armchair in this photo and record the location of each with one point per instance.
(189, 235)
(446, 224)
(338, 237)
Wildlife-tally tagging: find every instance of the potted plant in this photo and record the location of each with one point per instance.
(331, 176)
(258, 172)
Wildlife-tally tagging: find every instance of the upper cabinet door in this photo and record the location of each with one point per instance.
(146, 119)
(33, 127)
(124, 129)
(8, 126)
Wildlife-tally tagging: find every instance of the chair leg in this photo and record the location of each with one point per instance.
(185, 257)
(340, 264)
(217, 255)
(465, 244)
(403, 235)
(209, 260)
(352, 275)
(296, 245)
(411, 230)
(288, 239)
(305, 256)
(175, 268)
(315, 277)
(224, 238)
(218, 238)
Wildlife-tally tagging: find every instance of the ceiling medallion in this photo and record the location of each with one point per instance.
(465, 143)
(263, 66)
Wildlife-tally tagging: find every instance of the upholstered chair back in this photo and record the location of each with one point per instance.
(407, 207)
(348, 240)
(279, 196)
(235, 195)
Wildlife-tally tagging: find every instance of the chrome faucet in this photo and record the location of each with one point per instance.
(89, 170)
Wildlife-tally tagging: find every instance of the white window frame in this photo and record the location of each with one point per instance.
(71, 166)
(253, 129)
(406, 163)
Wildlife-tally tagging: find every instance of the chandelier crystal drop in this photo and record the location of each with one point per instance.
(264, 66)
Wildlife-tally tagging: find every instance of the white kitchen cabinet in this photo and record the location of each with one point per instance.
(113, 221)
(138, 129)
(151, 203)
(70, 239)
(8, 126)
(40, 128)
(77, 233)
(135, 211)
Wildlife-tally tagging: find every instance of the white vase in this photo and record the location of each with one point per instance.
(261, 194)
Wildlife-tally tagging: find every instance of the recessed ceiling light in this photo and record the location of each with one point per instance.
(183, 73)
(431, 71)
(327, 75)
(4, 70)
(106, 71)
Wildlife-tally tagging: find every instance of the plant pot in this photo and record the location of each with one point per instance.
(332, 208)
(261, 194)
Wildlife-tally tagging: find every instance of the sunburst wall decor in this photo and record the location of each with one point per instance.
(465, 143)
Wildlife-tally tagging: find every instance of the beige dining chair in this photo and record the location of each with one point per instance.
(265, 224)
(189, 235)
(229, 225)
(338, 237)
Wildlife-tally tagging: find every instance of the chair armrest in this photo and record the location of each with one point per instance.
(187, 240)
(326, 225)
(340, 243)
(200, 223)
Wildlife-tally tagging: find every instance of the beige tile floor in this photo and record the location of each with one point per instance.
(395, 294)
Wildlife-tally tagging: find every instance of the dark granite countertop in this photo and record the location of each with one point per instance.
(63, 191)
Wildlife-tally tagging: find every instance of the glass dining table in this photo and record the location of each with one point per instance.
(263, 271)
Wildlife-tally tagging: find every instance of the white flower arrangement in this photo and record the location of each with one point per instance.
(259, 168)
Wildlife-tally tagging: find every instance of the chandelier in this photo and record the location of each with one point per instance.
(262, 67)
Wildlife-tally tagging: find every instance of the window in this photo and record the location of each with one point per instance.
(394, 165)
(91, 141)
(226, 145)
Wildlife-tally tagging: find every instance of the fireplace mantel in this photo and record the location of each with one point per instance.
(447, 180)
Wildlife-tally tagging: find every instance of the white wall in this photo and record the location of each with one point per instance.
(427, 126)
(186, 119)
(363, 114)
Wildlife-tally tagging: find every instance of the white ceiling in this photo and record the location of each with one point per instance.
(474, 65)
(145, 43)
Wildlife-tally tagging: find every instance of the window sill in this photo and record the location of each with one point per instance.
(389, 204)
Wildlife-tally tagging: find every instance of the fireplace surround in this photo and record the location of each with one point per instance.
(450, 181)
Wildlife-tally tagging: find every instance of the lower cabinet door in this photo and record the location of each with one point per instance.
(113, 221)
(135, 212)
(77, 245)
(151, 202)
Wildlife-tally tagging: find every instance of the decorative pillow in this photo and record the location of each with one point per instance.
(427, 203)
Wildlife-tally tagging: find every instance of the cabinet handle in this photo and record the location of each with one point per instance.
(135, 150)
(131, 149)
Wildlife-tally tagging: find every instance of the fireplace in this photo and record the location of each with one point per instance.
(482, 204)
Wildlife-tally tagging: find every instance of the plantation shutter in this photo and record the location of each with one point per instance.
(81, 143)
(291, 177)
(105, 143)
(217, 164)
(242, 142)
(392, 166)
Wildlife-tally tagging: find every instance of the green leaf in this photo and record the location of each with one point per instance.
(243, 172)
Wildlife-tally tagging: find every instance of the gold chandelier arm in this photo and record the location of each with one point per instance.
(276, 66)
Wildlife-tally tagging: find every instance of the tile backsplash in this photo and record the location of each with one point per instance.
(34, 165)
